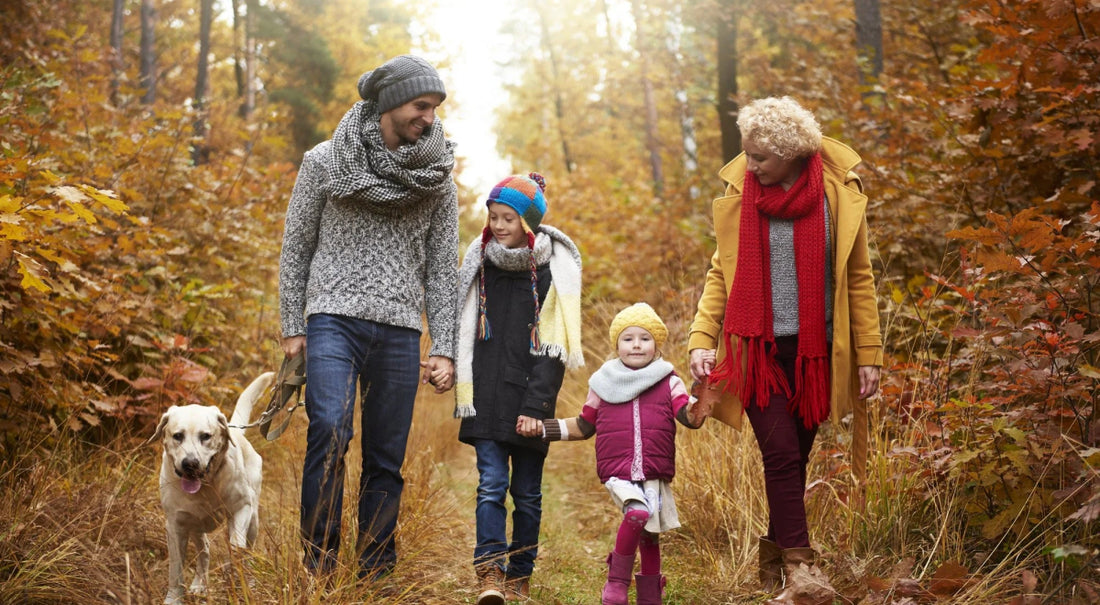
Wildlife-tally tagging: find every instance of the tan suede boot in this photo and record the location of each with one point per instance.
(771, 566)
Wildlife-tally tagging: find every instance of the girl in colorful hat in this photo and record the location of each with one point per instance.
(519, 328)
(634, 401)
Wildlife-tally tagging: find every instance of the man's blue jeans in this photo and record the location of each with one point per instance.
(384, 361)
(526, 490)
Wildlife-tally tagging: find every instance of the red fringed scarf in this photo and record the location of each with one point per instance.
(750, 367)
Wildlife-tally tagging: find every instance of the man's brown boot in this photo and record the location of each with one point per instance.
(517, 589)
(490, 585)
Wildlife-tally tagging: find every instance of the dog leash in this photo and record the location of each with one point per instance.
(288, 385)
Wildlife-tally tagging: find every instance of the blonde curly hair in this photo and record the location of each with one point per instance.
(781, 126)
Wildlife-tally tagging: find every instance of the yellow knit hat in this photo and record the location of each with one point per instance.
(641, 315)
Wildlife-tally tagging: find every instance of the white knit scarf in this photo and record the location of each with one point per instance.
(559, 318)
(616, 383)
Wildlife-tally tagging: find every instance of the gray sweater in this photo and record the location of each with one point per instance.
(343, 258)
(785, 277)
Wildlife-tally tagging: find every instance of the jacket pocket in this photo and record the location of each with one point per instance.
(515, 376)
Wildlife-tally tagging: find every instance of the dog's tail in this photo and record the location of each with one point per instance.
(243, 411)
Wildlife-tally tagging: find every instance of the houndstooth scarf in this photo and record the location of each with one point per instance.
(363, 168)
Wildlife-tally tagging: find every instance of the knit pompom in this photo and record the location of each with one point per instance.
(538, 178)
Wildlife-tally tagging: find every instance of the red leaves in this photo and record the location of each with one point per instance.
(948, 580)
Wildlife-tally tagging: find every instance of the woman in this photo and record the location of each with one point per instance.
(788, 309)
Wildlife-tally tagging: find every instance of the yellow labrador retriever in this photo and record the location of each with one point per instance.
(209, 473)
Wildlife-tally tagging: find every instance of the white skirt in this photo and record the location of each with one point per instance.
(655, 494)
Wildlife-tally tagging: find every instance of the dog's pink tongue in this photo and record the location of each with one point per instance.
(190, 485)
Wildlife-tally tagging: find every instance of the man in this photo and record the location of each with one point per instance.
(371, 239)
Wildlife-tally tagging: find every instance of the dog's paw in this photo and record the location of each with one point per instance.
(198, 587)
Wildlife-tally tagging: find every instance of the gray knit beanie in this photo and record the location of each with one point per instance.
(400, 80)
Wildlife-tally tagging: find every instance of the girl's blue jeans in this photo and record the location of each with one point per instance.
(518, 557)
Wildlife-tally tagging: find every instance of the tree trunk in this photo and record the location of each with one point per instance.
(687, 118)
(238, 51)
(116, 49)
(727, 81)
(651, 140)
(559, 102)
(148, 75)
(249, 57)
(200, 153)
(869, 43)
(610, 31)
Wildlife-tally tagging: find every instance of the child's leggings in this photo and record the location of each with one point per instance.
(633, 537)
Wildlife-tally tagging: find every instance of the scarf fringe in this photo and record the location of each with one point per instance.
(465, 410)
(484, 331)
(751, 371)
(811, 399)
(570, 360)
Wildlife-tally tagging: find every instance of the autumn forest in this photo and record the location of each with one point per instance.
(148, 149)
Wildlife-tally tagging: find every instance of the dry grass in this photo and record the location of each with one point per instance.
(84, 525)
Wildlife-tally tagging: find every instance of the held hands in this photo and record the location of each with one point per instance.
(440, 372)
(696, 414)
(528, 426)
(702, 362)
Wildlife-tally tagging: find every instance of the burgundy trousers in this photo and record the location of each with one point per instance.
(785, 447)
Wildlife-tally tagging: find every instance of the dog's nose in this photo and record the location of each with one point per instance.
(190, 465)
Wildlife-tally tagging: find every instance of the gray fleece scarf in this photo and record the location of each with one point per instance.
(616, 383)
(364, 169)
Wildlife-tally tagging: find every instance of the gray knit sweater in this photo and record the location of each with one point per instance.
(341, 257)
(785, 277)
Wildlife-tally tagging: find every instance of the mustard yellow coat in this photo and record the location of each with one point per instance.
(857, 340)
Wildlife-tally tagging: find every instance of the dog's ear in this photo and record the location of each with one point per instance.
(224, 423)
(159, 433)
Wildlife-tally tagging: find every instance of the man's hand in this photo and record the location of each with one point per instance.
(702, 362)
(440, 372)
(528, 426)
(868, 381)
(292, 345)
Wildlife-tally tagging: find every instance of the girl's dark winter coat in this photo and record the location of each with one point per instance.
(508, 380)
